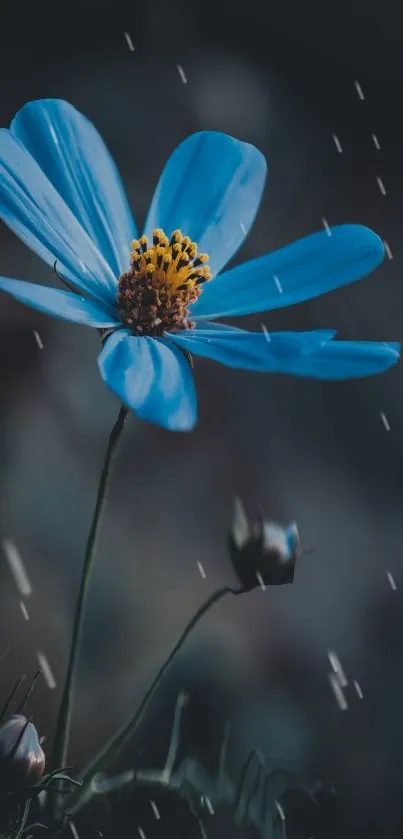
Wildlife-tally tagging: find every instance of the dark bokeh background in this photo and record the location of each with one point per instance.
(281, 76)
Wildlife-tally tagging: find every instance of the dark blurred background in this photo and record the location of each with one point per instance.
(282, 76)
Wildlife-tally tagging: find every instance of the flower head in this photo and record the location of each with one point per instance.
(164, 279)
(262, 553)
(22, 760)
(151, 294)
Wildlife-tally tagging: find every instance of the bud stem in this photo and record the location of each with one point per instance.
(61, 742)
(81, 796)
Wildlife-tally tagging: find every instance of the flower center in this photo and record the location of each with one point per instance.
(164, 279)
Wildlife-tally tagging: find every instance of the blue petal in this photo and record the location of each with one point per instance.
(260, 351)
(351, 359)
(305, 269)
(32, 208)
(210, 189)
(74, 157)
(152, 378)
(312, 354)
(60, 304)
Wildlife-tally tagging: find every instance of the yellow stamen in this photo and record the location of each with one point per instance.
(176, 236)
(192, 250)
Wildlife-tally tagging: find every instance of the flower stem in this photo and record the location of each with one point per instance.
(61, 742)
(114, 746)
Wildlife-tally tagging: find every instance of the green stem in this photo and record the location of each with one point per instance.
(81, 796)
(61, 742)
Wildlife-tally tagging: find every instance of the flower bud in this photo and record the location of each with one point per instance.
(22, 760)
(262, 553)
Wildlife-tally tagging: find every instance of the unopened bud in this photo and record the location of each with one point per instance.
(262, 551)
(22, 760)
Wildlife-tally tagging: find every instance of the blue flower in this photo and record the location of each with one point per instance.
(61, 193)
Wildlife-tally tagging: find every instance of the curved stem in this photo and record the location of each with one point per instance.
(61, 741)
(117, 742)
